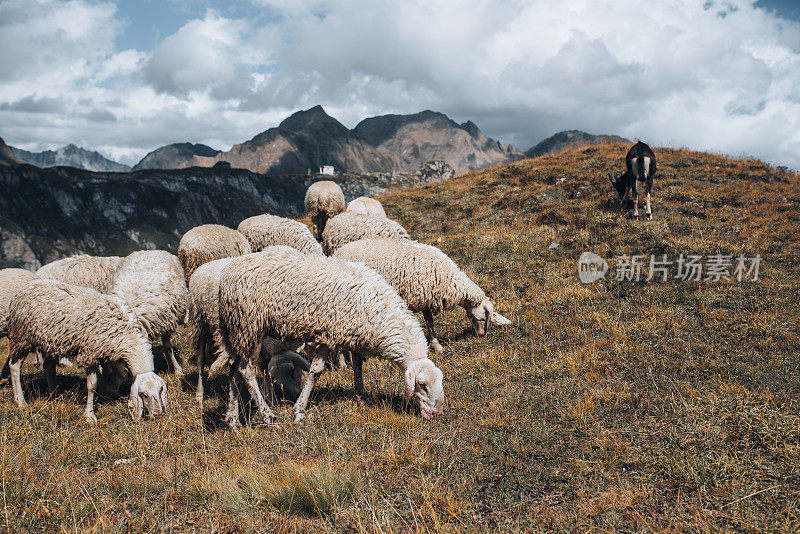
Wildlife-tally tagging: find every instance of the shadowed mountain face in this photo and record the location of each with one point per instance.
(7, 157)
(568, 138)
(174, 156)
(46, 214)
(402, 143)
(71, 156)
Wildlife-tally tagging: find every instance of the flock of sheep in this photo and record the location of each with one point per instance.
(252, 299)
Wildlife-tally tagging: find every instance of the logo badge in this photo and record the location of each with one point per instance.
(591, 267)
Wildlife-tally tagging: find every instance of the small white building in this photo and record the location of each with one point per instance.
(326, 169)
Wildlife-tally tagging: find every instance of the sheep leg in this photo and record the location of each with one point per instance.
(317, 367)
(91, 388)
(248, 371)
(168, 349)
(358, 377)
(200, 349)
(342, 362)
(428, 315)
(5, 373)
(49, 366)
(232, 414)
(15, 364)
(635, 195)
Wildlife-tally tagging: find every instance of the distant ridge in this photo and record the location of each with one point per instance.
(311, 138)
(567, 138)
(71, 156)
(174, 156)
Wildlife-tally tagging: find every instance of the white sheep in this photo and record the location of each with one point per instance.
(331, 302)
(269, 230)
(323, 200)
(82, 270)
(209, 242)
(347, 227)
(11, 281)
(60, 320)
(153, 285)
(427, 279)
(366, 206)
(203, 325)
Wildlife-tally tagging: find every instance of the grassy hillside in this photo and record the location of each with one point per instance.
(610, 406)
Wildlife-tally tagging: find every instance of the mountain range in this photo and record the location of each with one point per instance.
(569, 138)
(311, 138)
(70, 156)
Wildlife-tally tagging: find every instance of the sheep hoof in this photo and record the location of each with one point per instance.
(199, 399)
(91, 418)
(299, 418)
(649, 216)
(437, 347)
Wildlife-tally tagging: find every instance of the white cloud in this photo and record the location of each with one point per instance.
(721, 76)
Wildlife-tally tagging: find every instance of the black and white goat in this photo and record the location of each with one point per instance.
(641, 163)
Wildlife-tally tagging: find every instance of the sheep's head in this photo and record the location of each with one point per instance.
(423, 384)
(286, 372)
(148, 394)
(480, 316)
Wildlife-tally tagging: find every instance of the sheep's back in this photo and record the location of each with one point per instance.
(71, 321)
(152, 284)
(11, 281)
(209, 242)
(348, 227)
(270, 230)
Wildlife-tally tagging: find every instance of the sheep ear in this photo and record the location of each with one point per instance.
(135, 403)
(500, 320)
(163, 393)
(410, 379)
(299, 361)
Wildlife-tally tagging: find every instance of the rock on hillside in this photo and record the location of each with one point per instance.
(569, 138)
(71, 156)
(175, 156)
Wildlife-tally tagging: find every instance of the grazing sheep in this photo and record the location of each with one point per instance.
(427, 279)
(347, 227)
(152, 283)
(60, 320)
(335, 303)
(323, 200)
(209, 242)
(85, 271)
(269, 230)
(641, 167)
(11, 281)
(204, 329)
(366, 206)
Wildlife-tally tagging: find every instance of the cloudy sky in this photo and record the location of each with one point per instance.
(124, 77)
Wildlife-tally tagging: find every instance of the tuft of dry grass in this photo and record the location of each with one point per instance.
(613, 406)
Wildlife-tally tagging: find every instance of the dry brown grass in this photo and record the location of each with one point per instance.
(612, 406)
